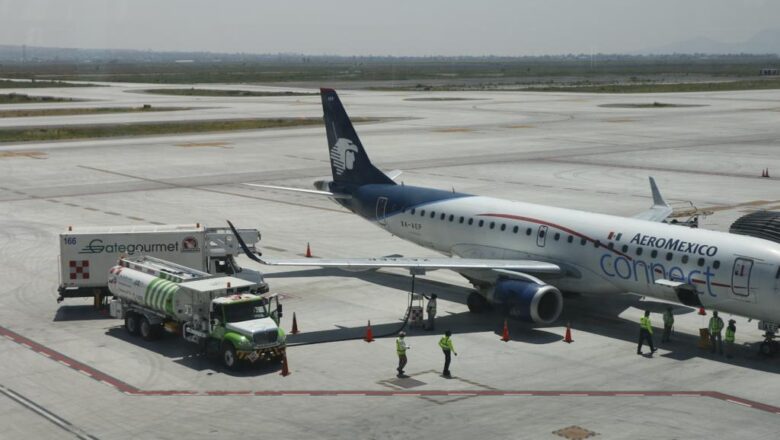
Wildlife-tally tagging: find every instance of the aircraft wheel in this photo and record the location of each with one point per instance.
(768, 348)
(476, 303)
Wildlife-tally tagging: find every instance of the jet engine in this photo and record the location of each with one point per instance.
(528, 301)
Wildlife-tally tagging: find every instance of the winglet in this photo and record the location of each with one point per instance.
(658, 200)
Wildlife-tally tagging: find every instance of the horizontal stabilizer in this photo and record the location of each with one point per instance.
(301, 190)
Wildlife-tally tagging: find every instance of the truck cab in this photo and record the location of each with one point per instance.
(246, 327)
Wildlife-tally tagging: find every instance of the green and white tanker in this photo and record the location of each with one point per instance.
(225, 315)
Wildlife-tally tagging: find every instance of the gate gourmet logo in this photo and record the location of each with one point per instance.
(189, 244)
(97, 246)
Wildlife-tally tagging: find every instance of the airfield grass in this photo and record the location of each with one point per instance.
(37, 134)
(217, 92)
(34, 84)
(760, 84)
(84, 111)
(20, 98)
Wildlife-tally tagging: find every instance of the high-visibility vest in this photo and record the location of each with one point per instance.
(716, 325)
(644, 322)
(446, 344)
(730, 334)
(400, 346)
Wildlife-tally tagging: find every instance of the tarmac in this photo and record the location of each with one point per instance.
(69, 371)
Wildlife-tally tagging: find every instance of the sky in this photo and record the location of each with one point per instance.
(396, 27)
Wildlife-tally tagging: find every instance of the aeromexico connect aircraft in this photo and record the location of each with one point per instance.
(521, 256)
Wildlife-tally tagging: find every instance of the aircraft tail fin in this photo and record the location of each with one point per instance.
(348, 160)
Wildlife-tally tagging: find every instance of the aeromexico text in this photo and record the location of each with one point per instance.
(675, 245)
(96, 246)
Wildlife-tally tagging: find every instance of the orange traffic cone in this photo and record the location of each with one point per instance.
(295, 325)
(701, 311)
(505, 334)
(285, 367)
(308, 251)
(567, 339)
(369, 333)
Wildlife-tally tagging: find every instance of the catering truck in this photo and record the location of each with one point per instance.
(225, 315)
(87, 253)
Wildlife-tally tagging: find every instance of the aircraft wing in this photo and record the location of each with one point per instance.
(418, 264)
(301, 190)
(660, 209)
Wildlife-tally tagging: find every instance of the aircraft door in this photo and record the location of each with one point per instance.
(381, 210)
(740, 279)
(541, 236)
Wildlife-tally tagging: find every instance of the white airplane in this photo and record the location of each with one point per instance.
(521, 255)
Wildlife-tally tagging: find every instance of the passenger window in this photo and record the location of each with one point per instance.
(471, 221)
(716, 265)
(625, 248)
(700, 262)
(777, 275)
(669, 256)
(503, 227)
(541, 233)
(422, 213)
(583, 241)
(639, 251)
(412, 211)
(570, 238)
(557, 236)
(460, 220)
(684, 259)
(492, 225)
(515, 229)
(654, 254)
(442, 216)
(433, 214)
(481, 222)
(610, 245)
(528, 231)
(596, 244)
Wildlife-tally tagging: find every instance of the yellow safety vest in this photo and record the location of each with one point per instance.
(400, 346)
(716, 325)
(446, 344)
(730, 334)
(644, 322)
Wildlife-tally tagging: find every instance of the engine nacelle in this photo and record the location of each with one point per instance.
(532, 302)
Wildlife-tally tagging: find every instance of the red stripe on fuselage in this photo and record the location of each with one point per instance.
(556, 226)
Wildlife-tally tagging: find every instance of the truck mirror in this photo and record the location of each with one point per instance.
(279, 310)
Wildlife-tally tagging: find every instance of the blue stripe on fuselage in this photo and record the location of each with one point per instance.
(399, 197)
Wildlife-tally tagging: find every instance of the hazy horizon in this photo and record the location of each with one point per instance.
(403, 28)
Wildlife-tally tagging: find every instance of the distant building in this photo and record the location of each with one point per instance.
(766, 71)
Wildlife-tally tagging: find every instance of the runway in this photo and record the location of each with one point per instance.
(67, 371)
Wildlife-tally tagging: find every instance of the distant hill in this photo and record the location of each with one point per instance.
(765, 42)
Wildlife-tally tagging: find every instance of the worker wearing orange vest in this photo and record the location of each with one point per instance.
(645, 333)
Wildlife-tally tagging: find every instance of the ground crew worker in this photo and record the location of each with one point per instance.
(716, 325)
(431, 309)
(446, 346)
(731, 330)
(400, 349)
(645, 333)
(668, 324)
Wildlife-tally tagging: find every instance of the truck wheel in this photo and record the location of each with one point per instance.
(229, 358)
(131, 323)
(148, 330)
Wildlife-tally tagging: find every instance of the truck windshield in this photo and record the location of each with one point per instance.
(244, 311)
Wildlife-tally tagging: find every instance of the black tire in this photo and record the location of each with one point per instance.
(476, 303)
(229, 357)
(131, 323)
(768, 348)
(147, 330)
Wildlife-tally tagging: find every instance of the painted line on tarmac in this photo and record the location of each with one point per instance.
(46, 414)
(125, 388)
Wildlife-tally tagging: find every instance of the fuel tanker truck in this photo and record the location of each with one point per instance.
(225, 315)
